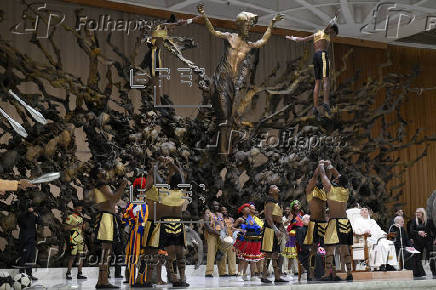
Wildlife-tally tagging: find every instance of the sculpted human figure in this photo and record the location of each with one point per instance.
(232, 71)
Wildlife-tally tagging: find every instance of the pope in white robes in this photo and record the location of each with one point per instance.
(381, 250)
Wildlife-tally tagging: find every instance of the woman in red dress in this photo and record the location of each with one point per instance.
(248, 243)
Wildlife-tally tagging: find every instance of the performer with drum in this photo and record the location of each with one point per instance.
(214, 223)
(229, 256)
(248, 243)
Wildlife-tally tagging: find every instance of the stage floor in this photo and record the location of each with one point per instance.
(54, 278)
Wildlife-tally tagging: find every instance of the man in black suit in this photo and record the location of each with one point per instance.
(27, 222)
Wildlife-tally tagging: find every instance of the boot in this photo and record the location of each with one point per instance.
(265, 272)
(103, 282)
(334, 277)
(265, 280)
(326, 278)
(171, 275)
(118, 271)
(68, 276)
(181, 265)
(277, 277)
(80, 276)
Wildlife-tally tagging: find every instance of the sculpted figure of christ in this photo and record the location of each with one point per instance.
(232, 71)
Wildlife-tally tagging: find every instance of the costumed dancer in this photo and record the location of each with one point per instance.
(105, 201)
(339, 233)
(135, 215)
(303, 251)
(290, 251)
(229, 257)
(254, 213)
(295, 222)
(317, 201)
(283, 262)
(214, 223)
(119, 245)
(272, 233)
(170, 229)
(321, 41)
(248, 243)
(76, 243)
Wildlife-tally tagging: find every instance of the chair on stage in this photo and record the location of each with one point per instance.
(359, 249)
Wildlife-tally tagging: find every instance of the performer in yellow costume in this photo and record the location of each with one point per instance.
(76, 243)
(105, 201)
(321, 64)
(272, 233)
(168, 233)
(317, 201)
(339, 233)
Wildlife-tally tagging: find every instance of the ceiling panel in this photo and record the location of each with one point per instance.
(361, 12)
(222, 10)
(429, 4)
(355, 17)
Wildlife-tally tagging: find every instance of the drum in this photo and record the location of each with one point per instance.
(226, 241)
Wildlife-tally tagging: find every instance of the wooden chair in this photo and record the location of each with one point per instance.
(360, 243)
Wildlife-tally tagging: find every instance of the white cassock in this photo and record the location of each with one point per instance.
(381, 250)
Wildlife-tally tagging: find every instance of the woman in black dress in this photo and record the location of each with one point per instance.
(422, 236)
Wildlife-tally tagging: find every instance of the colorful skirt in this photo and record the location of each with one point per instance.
(248, 250)
(290, 250)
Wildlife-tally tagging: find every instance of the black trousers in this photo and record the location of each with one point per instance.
(117, 258)
(318, 261)
(28, 257)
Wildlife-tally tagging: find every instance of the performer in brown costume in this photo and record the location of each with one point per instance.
(339, 233)
(169, 235)
(232, 71)
(316, 199)
(105, 201)
(272, 233)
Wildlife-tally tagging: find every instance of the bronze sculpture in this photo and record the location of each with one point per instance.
(232, 71)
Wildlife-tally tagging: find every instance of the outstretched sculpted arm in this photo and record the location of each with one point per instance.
(261, 42)
(182, 22)
(300, 39)
(209, 25)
